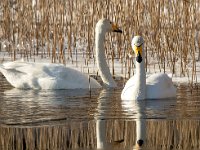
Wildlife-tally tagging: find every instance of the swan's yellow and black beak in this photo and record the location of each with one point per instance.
(115, 28)
(138, 52)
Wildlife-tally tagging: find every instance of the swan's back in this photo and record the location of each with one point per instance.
(27, 75)
(160, 85)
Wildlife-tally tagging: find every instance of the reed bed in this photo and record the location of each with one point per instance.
(63, 31)
(180, 134)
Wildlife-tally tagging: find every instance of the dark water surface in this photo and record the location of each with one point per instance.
(78, 119)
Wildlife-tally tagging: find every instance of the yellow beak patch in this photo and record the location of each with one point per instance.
(114, 27)
(138, 50)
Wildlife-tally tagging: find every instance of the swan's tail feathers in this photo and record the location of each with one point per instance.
(6, 72)
(2, 69)
(12, 75)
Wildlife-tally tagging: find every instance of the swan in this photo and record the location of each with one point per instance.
(134, 109)
(156, 86)
(30, 75)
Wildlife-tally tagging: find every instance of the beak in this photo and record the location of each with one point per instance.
(138, 51)
(115, 28)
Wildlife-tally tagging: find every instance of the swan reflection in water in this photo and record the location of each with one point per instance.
(102, 118)
(105, 103)
(111, 113)
(139, 114)
(139, 111)
(40, 106)
(147, 110)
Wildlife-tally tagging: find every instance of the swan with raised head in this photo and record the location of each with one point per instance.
(156, 86)
(30, 75)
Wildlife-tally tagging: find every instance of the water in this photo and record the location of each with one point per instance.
(79, 119)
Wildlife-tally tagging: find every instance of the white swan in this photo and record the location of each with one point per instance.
(29, 75)
(156, 86)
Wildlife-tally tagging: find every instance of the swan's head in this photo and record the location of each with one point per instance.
(105, 25)
(137, 44)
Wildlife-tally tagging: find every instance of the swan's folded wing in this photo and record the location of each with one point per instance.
(36, 70)
(160, 86)
(130, 82)
(46, 76)
(159, 80)
(17, 67)
(127, 90)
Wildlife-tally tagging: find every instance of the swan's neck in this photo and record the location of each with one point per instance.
(141, 79)
(101, 59)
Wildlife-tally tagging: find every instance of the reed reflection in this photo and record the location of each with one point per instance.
(103, 122)
(39, 106)
(145, 111)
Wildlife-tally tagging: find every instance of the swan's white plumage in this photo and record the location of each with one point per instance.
(103, 26)
(27, 75)
(158, 86)
(139, 87)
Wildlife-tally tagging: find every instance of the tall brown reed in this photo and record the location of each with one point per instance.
(51, 29)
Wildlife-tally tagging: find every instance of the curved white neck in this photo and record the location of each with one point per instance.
(101, 59)
(141, 78)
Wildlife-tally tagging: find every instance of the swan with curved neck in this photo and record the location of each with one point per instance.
(102, 27)
(156, 86)
(30, 75)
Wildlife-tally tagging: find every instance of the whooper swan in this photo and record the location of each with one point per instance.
(156, 86)
(30, 75)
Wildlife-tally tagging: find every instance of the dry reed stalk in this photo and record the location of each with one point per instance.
(168, 28)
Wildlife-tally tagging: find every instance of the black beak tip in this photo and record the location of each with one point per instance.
(140, 142)
(139, 59)
(119, 31)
